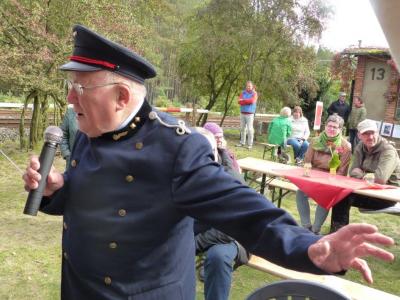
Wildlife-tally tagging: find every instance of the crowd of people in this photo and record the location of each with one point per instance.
(138, 179)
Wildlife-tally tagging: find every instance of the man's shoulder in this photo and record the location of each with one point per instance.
(387, 146)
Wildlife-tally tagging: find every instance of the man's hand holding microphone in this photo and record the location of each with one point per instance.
(41, 178)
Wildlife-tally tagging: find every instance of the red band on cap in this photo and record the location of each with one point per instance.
(93, 61)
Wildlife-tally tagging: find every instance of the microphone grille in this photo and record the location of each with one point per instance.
(53, 134)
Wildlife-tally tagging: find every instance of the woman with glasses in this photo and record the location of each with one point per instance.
(319, 154)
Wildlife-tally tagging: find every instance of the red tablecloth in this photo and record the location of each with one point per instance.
(324, 188)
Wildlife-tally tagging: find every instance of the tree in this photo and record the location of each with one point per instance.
(35, 38)
(229, 42)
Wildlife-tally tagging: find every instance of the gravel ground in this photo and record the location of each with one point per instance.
(9, 134)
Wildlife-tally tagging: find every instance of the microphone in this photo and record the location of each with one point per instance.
(52, 137)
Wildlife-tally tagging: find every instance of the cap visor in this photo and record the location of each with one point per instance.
(368, 129)
(76, 66)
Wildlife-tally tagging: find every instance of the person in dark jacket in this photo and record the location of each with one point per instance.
(340, 107)
(139, 177)
(222, 254)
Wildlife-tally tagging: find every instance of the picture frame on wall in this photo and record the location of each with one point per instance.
(386, 129)
(396, 131)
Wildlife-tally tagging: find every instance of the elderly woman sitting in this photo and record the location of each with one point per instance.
(279, 131)
(300, 134)
(319, 154)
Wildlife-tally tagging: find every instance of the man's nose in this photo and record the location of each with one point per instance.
(72, 96)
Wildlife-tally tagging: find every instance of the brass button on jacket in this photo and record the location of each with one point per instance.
(107, 280)
(65, 225)
(113, 245)
(74, 163)
(122, 212)
(139, 145)
(129, 178)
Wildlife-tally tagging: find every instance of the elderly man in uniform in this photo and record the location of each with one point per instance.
(137, 178)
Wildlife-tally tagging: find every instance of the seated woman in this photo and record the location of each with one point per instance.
(319, 155)
(279, 131)
(300, 134)
(222, 254)
(225, 157)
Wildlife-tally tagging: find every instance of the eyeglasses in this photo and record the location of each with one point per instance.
(332, 127)
(78, 88)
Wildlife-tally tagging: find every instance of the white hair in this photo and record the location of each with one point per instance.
(138, 90)
(286, 111)
(211, 139)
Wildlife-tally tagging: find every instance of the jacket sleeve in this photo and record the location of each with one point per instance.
(386, 165)
(347, 113)
(363, 115)
(201, 189)
(240, 98)
(249, 101)
(330, 109)
(356, 162)
(288, 130)
(308, 157)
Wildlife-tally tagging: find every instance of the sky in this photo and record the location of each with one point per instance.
(353, 20)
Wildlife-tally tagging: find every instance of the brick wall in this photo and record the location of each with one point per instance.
(359, 76)
(392, 96)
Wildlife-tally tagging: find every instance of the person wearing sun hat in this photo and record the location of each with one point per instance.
(374, 154)
(138, 177)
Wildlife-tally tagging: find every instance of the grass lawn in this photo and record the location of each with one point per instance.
(30, 252)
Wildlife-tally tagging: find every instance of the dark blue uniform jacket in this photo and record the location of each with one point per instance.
(128, 202)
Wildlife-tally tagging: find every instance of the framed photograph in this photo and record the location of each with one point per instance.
(396, 131)
(386, 129)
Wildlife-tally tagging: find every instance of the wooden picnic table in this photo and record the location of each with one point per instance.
(318, 180)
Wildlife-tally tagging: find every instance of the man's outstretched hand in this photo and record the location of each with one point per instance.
(343, 249)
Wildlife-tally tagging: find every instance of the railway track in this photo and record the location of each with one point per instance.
(10, 118)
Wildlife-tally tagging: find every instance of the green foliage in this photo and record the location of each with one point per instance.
(35, 39)
(9, 97)
(230, 42)
(334, 163)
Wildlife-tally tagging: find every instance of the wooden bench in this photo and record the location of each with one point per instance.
(280, 188)
(354, 290)
(272, 149)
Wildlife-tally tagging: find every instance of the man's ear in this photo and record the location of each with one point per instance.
(123, 97)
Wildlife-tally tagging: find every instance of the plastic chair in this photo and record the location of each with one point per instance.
(296, 290)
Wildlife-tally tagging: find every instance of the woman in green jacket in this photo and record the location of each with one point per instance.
(279, 131)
